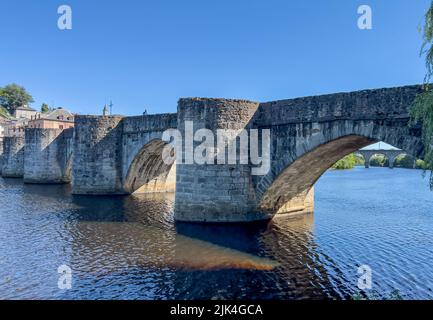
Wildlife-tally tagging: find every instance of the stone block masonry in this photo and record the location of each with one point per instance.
(215, 192)
(1, 155)
(13, 157)
(48, 155)
(143, 169)
(97, 159)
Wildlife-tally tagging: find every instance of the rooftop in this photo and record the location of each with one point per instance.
(57, 114)
(25, 108)
(380, 146)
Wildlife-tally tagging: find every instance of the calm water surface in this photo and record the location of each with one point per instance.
(130, 248)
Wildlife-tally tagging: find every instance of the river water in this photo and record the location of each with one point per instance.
(130, 248)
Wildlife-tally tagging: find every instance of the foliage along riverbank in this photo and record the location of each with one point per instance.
(379, 160)
(348, 162)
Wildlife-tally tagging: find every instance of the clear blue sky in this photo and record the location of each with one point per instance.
(151, 53)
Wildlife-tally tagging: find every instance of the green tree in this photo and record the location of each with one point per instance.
(404, 161)
(420, 164)
(13, 96)
(379, 160)
(360, 161)
(45, 108)
(422, 109)
(348, 162)
(4, 113)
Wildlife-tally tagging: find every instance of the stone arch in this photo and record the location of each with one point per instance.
(301, 153)
(404, 154)
(394, 155)
(149, 172)
(296, 181)
(379, 153)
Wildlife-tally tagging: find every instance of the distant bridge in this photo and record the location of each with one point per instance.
(390, 154)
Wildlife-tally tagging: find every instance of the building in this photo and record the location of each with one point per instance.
(24, 112)
(3, 122)
(15, 127)
(56, 119)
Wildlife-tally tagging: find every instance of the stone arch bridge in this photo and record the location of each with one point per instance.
(121, 155)
(390, 154)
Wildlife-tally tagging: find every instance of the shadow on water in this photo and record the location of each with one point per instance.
(11, 183)
(147, 209)
(49, 191)
(244, 237)
(139, 230)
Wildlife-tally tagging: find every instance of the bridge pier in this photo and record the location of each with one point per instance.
(47, 155)
(96, 167)
(13, 157)
(367, 162)
(391, 160)
(215, 192)
(1, 155)
(367, 155)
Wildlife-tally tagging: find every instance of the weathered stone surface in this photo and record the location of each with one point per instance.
(116, 155)
(215, 192)
(310, 134)
(379, 104)
(96, 167)
(143, 169)
(13, 157)
(48, 155)
(1, 155)
(303, 202)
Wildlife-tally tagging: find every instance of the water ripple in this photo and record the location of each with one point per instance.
(130, 247)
